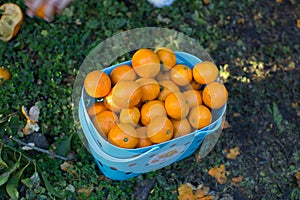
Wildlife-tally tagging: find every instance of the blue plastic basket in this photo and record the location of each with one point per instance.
(120, 163)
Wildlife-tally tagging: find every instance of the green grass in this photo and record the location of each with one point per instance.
(258, 41)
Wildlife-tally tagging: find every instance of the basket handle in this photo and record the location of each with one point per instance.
(216, 127)
(190, 61)
(124, 160)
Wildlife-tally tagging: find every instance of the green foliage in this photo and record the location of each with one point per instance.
(12, 184)
(11, 176)
(295, 194)
(64, 147)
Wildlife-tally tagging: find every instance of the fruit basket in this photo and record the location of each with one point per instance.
(121, 163)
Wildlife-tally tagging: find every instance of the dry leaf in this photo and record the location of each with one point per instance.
(297, 175)
(226, 124)
(298, 23)
(32, 118)
(198, 158)
(233, 153)
(279, 1)
(219, 173)
(295, 105)
(30, 127)
(4, 75)
(33, 114)
(185, 192)
(241, 21)
(189, 192)
(206, 1)
(67, 167)
(298, 113)
(207, 197)
(86, 191)
(236, 114)
(24, 112)
(202, 193)
(237, 180)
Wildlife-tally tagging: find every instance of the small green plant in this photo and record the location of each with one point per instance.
(295, 193)
(13, 164)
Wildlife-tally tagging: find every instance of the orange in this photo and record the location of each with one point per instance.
(181, 127)
(4, 75)
(160, 129)
(123, 135)
(176, 105)
(122, 72)
(146, 63)
(126, 94)
(143, 140)
(193, 97)
(167, 57)
(110, 104)
(193, 85)
(162, 75)
(166, 87)
(130, 116)
(11, 20)
(205, 72)
(150, 88)
(40, 12)
(151, 110)
(104, 121)
(215, 95)
(200, 116)
(97, 84)
(182, 75)
(96, 108)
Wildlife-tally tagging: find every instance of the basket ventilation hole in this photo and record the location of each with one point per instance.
(128, 173)
(151, 156)
(99, 143)
(113, 168)
(193, 149)
(147, 164)
(132, 164)
(100, 163)
(187, 143)
(173, 145)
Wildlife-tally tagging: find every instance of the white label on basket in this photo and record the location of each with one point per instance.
(167, 155)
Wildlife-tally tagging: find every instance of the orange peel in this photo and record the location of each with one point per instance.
(11, 19)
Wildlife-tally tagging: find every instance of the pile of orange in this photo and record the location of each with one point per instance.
(153, 100)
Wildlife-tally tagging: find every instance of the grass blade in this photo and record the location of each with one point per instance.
(5, 176)
(277, 117)
(12, 184)
(2, 163)
(50, 188)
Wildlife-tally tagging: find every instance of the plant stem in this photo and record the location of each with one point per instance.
(39, 149)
